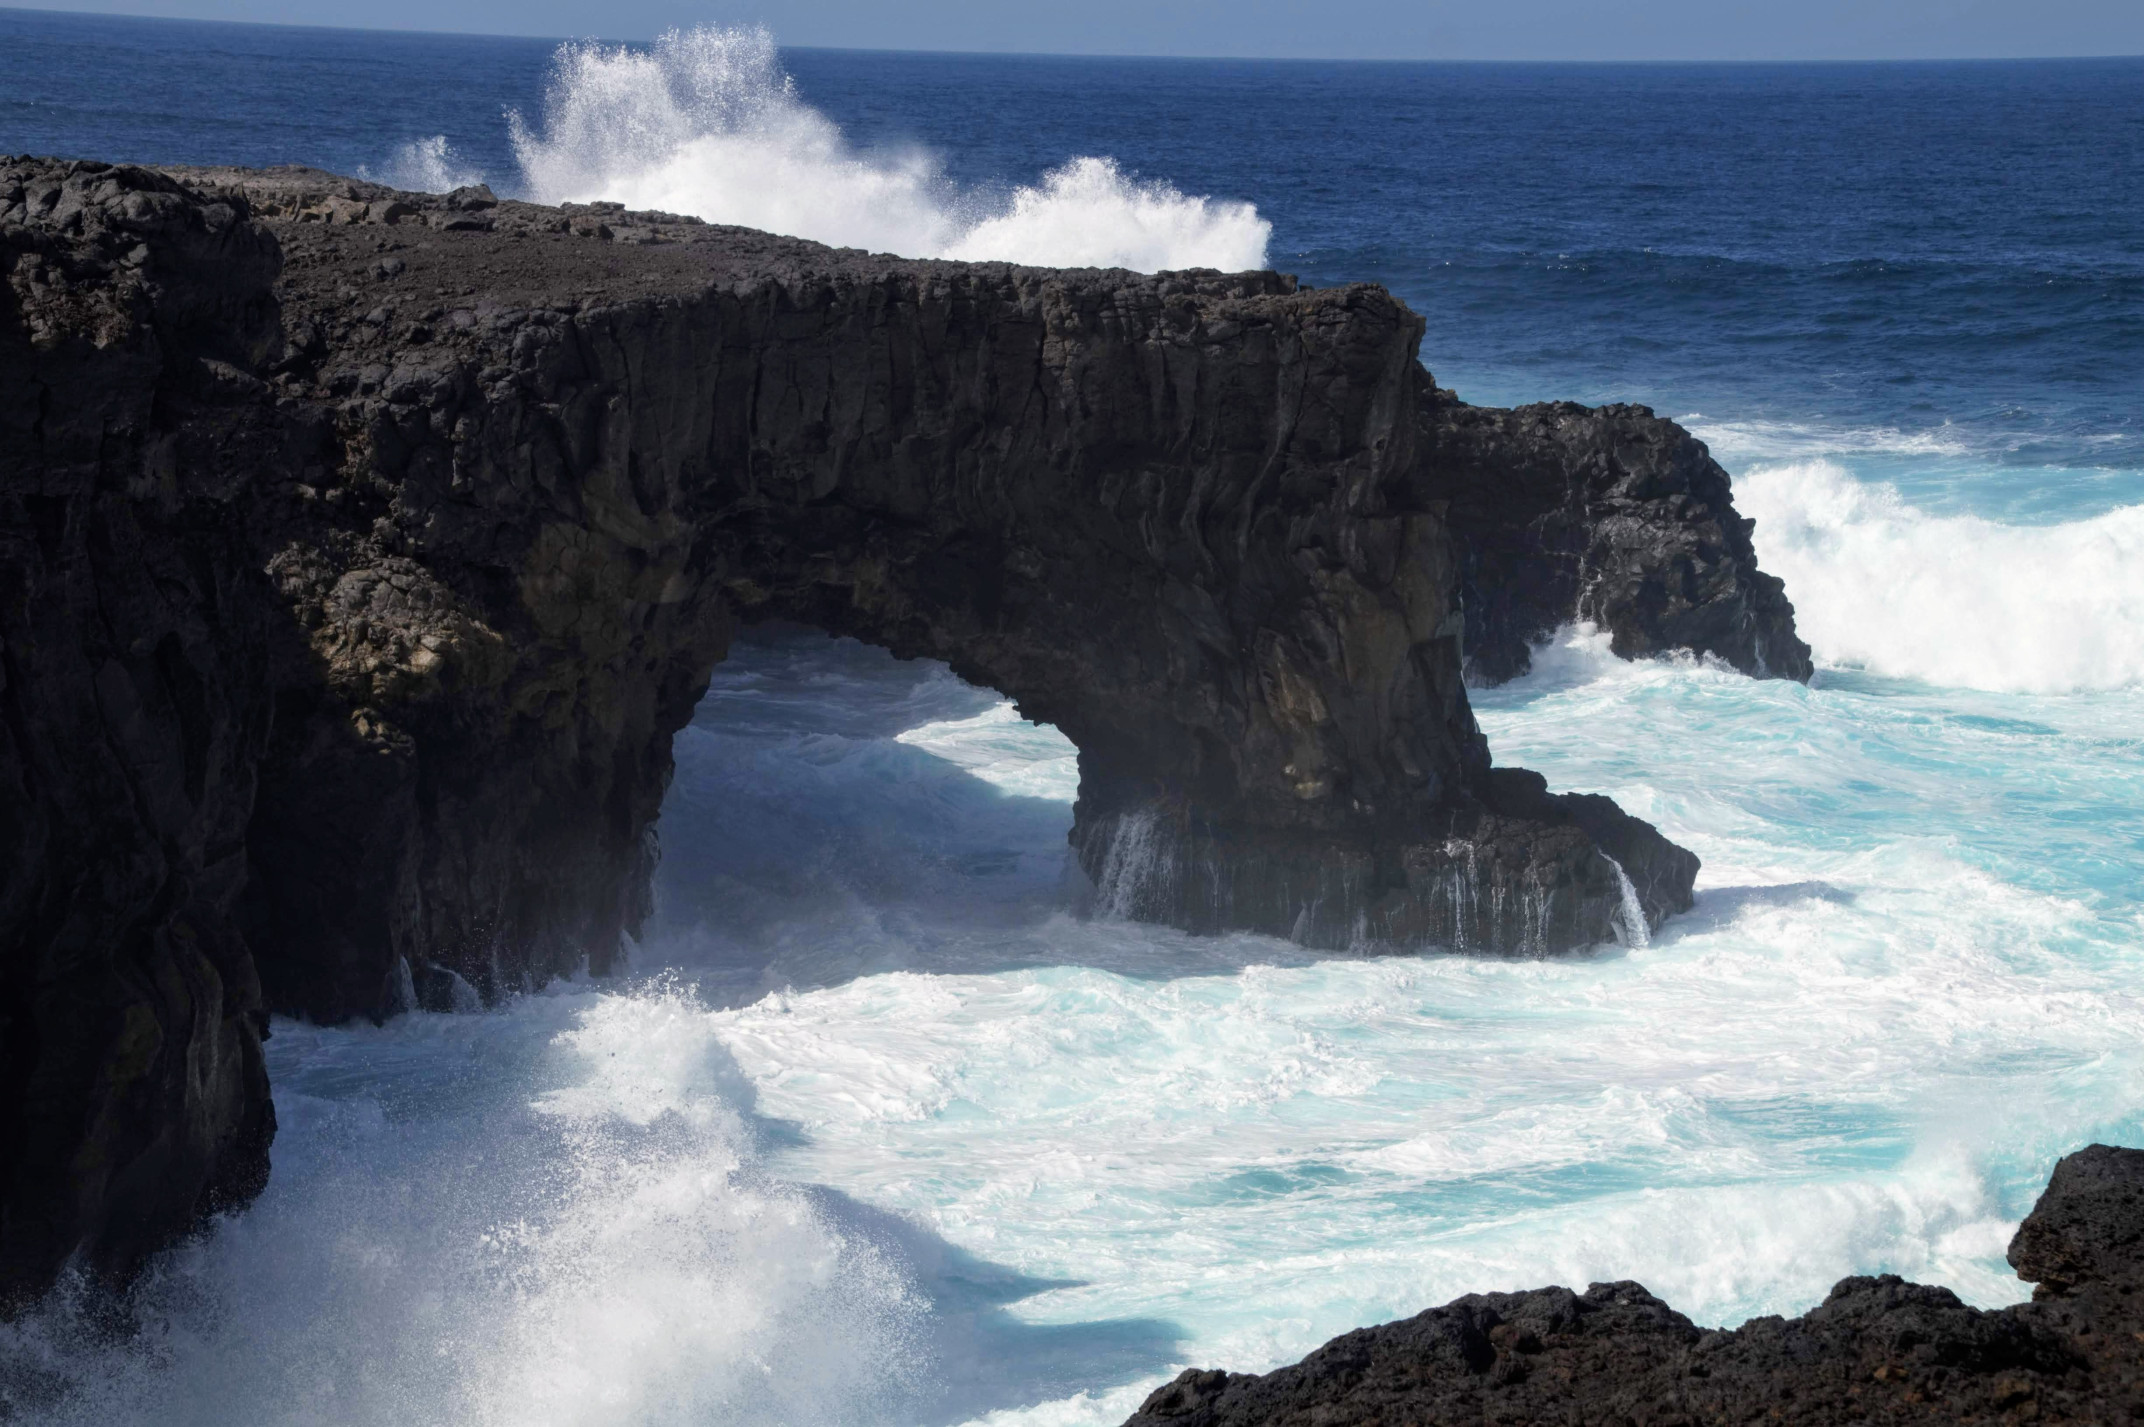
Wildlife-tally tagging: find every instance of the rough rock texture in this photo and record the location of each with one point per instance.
(1877, 1350)
(1180, 518)
(133, 713)
(1605, 514)
(365, 550)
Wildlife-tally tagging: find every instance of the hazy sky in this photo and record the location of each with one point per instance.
(1373, 29)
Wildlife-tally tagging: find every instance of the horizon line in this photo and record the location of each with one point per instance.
(1092, 54)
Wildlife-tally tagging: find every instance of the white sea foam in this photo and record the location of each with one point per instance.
(1954, 600)
(1274, 1153)
(705, 122)
(1064, 1158)
(1004, 750)
(424, 166)
(1090, 214)
(450, 1246)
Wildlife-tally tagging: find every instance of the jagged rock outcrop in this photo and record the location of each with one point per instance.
(1606, 514)
(365, 550)
(1878, 1350)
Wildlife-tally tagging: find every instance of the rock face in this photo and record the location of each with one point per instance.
(365, 550)
(134, 710)
(1877, 1350)
(1606, 514)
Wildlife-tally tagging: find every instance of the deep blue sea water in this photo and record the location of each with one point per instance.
(1951, 250)
(885, 1133)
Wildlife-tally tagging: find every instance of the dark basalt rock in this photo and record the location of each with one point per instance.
(2089, 1226)
(364, 550)
(134, 708)
(1512, 869)
(1606, 514)
(1877, 1350)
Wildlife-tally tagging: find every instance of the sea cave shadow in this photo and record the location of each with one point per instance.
(788, 901)
(805, 846)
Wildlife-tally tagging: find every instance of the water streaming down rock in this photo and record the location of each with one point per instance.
(1262, 1148)
(1633, 931)
(1520, 875)
(1940, 925)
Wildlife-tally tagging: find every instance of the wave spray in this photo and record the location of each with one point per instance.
(707, 123)
(1955, 600)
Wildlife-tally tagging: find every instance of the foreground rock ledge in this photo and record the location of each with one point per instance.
(1878, 1350)
(360, 553)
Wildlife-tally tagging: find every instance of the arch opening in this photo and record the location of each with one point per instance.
(836, 810)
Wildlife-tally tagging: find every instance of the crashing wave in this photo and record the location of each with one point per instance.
(706, 122)
(1954, 600)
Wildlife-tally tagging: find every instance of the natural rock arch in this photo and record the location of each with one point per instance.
(365, 550)
(1179, 518)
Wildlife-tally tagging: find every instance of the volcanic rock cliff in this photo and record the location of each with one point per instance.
(360, 553)
(1604, 514)
(1877, 1350)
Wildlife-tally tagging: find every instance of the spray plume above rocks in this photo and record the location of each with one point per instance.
(705, 122)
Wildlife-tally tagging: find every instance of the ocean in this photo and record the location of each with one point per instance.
(879, 1129)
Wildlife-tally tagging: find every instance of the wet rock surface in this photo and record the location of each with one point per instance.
(364, 551)
(1876, 1350)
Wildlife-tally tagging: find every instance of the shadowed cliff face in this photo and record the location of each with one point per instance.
(350, 614)
(133, 711)
(1876, 1350)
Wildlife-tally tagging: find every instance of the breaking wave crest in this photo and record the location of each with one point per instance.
(1954, 600)
(1757, 439)
(706, 122)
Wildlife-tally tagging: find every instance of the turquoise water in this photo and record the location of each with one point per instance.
(885, 1128)
(886, 1132)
